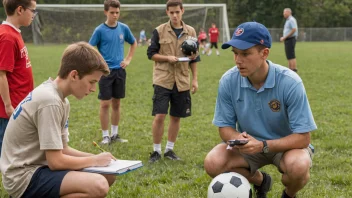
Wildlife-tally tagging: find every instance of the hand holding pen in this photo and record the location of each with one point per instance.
(101, 149)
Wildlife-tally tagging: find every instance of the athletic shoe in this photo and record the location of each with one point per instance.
(116, 138)
(171, 155)
(155, 156)
(265, 187)
(106, 140)
(284, 195)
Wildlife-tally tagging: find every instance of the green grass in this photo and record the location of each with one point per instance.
(324, 67)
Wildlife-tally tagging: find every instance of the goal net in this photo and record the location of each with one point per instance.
(67, 23)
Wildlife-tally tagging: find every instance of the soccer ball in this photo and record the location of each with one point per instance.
(189, 46)
(229, 185)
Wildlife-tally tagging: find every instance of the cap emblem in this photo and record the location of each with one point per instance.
(239, 31)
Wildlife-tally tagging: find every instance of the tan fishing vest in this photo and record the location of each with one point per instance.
(165, 74)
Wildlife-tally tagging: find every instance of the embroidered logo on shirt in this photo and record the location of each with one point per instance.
(122, 38)
(274, 105)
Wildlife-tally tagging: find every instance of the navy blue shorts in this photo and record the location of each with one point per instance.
(113, 85)
(214, 44)
(290, 44)
(3, 125)
(180, 102)
(45, 183)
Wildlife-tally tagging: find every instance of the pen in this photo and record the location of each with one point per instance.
(96, 145)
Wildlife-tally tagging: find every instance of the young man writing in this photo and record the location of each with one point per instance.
(36, 159)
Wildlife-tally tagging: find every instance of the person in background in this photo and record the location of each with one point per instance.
(214, 38)
(142, 38)
(289, 38)
(110, 37)
(16, 77)
(202, 40)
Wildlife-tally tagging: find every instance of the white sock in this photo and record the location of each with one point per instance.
(169, 146)
(114, 130)
(209, 53)
(157, 148)
(105, 133)
(217, 52)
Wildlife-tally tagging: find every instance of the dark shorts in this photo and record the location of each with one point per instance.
(214, 44)
(3, 125)
(45, 183)
(203, 40)
(290, 45)
(113, 85)
(180, 102)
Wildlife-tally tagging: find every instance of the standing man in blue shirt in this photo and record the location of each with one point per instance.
(289, 37)
(265, 104)
(110, 37)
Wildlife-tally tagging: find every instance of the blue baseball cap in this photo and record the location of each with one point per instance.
(248, 35)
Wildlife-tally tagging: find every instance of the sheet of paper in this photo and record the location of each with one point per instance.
(184, 59)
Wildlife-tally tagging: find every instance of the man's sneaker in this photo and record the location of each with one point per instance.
(171, 155)
(284, 195)
(265, 187)
(116, 138)
(106, 140)
(155, 156)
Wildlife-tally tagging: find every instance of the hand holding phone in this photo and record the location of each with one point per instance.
(237, 142)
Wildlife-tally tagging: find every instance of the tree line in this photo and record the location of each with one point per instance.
(309, 13)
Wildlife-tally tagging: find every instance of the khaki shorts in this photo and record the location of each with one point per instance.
(259, 160)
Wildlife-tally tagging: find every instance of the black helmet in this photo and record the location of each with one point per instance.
(188, 46)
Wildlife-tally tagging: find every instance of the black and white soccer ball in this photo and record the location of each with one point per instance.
(229, 185)
(189, 46)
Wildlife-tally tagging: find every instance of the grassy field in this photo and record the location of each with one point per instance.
(324, 67)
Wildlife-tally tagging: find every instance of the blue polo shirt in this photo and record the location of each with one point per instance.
(279, 108)
(110, 42)
(290, 23)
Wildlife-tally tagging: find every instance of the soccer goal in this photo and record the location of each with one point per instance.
(67, 23)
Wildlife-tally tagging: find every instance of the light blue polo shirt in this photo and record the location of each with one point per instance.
(289, 25)
(279, 108)
(110, 42)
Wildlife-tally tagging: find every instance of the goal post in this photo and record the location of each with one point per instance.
(67, 23)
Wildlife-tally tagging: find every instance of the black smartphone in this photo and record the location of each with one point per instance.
(238, 142)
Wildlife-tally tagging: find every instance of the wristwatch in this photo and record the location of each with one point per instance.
(265, 147)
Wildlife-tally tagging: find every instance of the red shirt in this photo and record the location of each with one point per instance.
(214, 35)
(15, 61)
(202, 36)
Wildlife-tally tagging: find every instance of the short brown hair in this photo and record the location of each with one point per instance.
(111, 3)
(83, 58)
(260, 47)
(174, 3)
(11, 5)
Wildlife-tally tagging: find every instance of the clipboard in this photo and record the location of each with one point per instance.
(117, 167)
